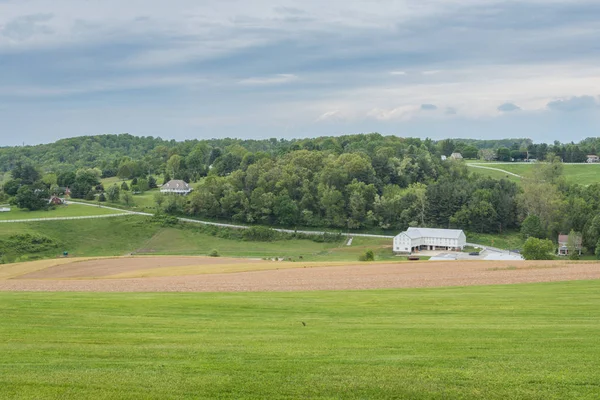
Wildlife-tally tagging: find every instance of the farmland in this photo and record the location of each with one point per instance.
(583, 174)
(534, 341)
(137, 234)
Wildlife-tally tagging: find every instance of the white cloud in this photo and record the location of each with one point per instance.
(270, 80)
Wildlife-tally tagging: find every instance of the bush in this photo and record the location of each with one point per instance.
(213, 253)
(259, 234)
(368, 256)
(165, 220)
(538, 249)
(27, 243)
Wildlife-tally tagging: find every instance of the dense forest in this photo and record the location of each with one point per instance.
(349, 182)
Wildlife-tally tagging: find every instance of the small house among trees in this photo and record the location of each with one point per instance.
(593, 159)
(456, 156)
(176, 187)
(568, 242)
(56, 201)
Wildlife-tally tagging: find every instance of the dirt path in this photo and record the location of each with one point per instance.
(349, 277)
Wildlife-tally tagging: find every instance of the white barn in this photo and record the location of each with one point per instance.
(176, 187)
(416, 239)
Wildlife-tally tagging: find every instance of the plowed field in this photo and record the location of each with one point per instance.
(201, 274)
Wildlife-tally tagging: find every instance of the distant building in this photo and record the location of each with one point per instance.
(563, 244)
(416, 239)
(456, 156)
(57, 201)
(176, 187)
(4, 209)
(444, 158)
(593, 159)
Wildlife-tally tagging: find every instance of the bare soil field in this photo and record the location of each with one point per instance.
(201, 274)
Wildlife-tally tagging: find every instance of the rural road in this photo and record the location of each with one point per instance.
(194, 221)
(494, 169)
(189, 220)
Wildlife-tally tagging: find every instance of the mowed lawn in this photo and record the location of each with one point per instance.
(71, 210)
(583, 174)
(535, 341)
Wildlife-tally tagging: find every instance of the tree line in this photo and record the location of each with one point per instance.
(366, 181)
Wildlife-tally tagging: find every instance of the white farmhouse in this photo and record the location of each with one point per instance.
(416, 239)
(176, 187)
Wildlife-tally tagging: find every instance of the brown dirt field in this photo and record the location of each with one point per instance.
(313, 276)
(100, 268)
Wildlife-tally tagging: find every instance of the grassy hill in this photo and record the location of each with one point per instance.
(136, 234)
(536, 341)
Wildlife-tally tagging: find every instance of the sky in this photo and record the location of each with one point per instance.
(183, 69)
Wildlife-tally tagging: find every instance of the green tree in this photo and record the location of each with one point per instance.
(143, 185)
(31, 198)
(27, 173)
(124, 186)
(574, 245)
(538, 249)
(127, 199)
(114, 193)
(532, 227)
(159, 199)
(503, 154)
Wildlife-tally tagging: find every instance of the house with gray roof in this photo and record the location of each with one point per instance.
(176, 187)
(420, 239)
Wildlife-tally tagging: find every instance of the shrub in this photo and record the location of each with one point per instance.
(213, 253)
(538, 249)
(368, 256)
(259, 234)
(165, 220)
(27, 243)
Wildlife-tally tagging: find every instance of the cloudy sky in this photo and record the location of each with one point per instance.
(259, 69)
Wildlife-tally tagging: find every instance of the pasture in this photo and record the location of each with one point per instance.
(532, 341)
(583, 174)
(71, 210)
(140, 235)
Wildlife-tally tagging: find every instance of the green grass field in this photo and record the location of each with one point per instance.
(170, 241)
(72, 210)
(135, 234)
(535, 341)
(583, 174)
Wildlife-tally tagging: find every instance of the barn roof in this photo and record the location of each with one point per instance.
(176, 185)
(415, 233)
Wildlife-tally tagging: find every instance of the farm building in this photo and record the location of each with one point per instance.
(416, 239)
(563, 244)
(57, 201)
(176, 187)
(4, 209)
(593, 159)
(456, 156)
